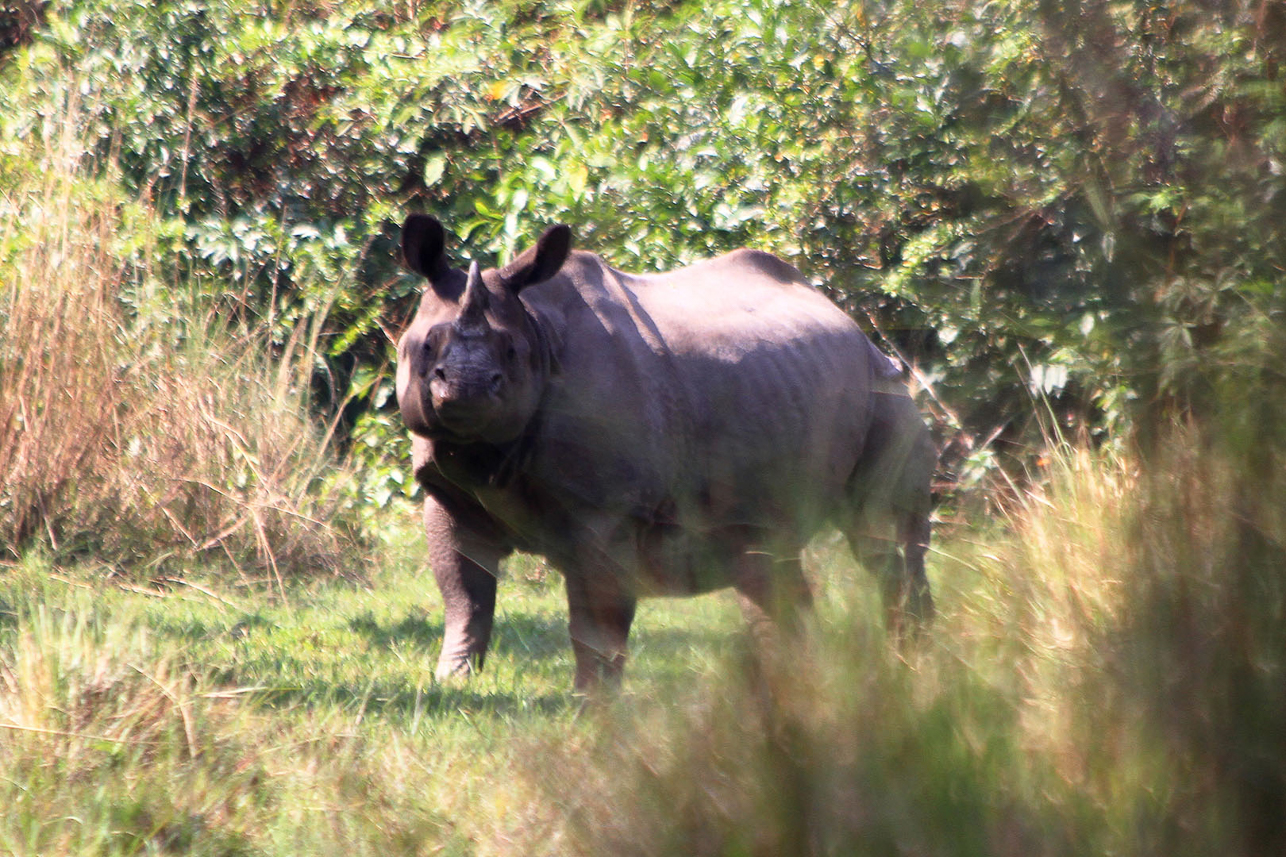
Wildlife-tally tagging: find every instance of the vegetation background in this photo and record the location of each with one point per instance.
(1065, 218)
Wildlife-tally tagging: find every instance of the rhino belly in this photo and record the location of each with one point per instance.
(778, 437)
(673, 560)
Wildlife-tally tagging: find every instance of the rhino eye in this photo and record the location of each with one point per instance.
(511, 354)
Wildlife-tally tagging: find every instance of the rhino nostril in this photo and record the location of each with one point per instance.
(496, 380)
(439, 373)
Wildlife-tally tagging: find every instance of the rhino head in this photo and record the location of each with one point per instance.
(473, 364)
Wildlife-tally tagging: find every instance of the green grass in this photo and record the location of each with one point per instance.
(1104, 678)
(208, 718)
(371, 646)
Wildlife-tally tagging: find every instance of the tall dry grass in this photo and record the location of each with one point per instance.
(137, 426)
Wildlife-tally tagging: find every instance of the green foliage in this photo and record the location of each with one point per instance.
(1019, 198)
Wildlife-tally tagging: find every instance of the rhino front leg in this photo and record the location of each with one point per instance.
(601, 613)
(773, 593)
(775, 599)
(465, 566)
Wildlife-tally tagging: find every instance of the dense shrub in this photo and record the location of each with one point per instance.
(1073, 199)
(1081, 204)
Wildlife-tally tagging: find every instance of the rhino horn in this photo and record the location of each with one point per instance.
(474, 303)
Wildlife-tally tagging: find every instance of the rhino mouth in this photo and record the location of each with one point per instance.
(466, 418)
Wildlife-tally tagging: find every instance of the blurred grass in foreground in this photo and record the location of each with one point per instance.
(1107, 678)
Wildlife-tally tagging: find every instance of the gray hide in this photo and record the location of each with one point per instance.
(665, 434)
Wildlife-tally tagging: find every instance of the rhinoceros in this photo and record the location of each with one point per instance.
(658, 434)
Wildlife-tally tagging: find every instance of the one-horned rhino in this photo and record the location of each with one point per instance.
(661, 434)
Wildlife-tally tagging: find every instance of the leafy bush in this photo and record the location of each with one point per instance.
(1082, 205)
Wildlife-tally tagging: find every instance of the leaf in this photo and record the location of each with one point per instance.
(577, 178)
(434, 168)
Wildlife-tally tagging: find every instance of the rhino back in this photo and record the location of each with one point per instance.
(729, 392)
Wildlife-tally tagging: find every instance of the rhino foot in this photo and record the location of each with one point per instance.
(457, 666)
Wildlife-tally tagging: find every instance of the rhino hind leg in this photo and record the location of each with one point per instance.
(888, 521)
(894, 552)
(775, 599)
(913, 532)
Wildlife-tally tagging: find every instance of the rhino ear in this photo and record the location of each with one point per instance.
(539, 263)
(424, 245)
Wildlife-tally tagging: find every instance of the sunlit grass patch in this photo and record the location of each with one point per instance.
(214, 724)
